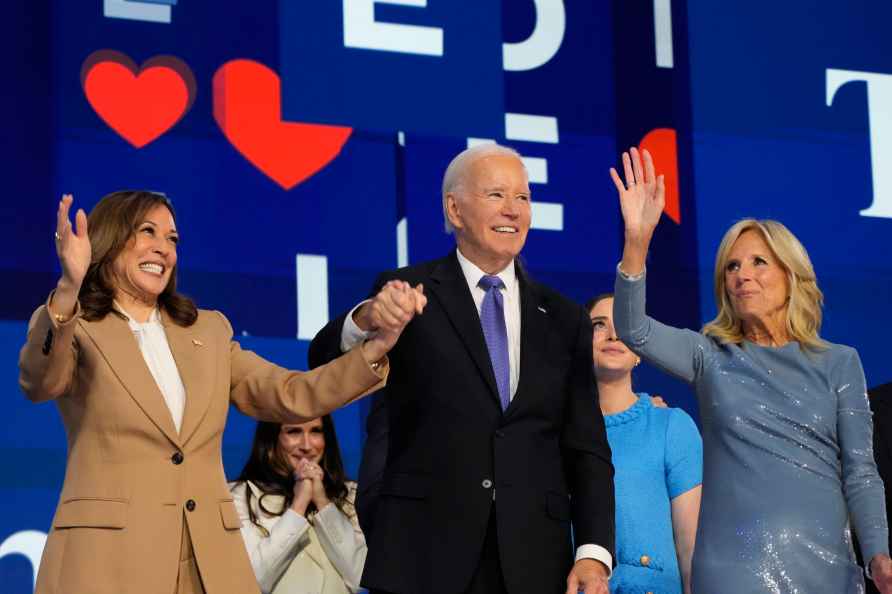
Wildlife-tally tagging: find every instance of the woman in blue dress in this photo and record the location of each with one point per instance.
(658, 457)
(788, 456)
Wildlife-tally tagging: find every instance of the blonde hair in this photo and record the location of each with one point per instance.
(805, 299)
(457, 171)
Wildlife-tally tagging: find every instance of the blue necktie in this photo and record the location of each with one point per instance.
(492, 318)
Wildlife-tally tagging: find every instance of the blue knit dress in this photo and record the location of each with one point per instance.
(658, 455)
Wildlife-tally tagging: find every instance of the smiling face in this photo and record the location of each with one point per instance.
(756, 282)
(301, 441)
(612, 358)
(490, 211)
(144, 267)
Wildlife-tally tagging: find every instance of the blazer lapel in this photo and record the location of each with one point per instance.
(194, 354)
(116, 343)
(451, 289)
(533, 326)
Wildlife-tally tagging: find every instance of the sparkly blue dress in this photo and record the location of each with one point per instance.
(658, 455)
(788, 458)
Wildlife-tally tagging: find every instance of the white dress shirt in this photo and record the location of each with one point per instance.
(351, 334)
(156, 351)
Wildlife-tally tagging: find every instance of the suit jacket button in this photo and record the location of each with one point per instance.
(487, 484)
(177, 458)
(190, 505)
(500, 433)
(645, 560)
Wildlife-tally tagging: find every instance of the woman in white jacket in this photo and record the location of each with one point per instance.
(297, 514)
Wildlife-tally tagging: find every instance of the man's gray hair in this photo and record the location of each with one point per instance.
(458, 169)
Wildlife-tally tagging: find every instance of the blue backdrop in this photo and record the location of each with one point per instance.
(303, 143)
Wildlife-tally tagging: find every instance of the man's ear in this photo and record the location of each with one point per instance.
(453, 212)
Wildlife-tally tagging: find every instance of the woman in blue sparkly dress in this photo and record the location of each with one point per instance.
(788, 458)
(658, 457)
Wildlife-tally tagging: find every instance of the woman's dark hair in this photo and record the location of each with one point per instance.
(268, 470)
(112, 223)
(595, 300)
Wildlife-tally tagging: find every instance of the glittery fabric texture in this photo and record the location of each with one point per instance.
(788, 458)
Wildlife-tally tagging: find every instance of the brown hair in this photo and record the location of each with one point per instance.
(591, 303)
(267, 469)
(112, 224)
(805, 301)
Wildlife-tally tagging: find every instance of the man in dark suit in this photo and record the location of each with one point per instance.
(495, 440)
(881, 405)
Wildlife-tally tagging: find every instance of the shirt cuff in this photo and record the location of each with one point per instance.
(351, 334)
(327, 519)
(292, 523)
(630, 277)
(598, 553)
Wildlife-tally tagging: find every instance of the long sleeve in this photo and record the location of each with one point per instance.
(341, 333)
(270, 555)
(862, 485)
(678, 352)
(587, 456)
(265, 391)
(48, 361)
(343, 542)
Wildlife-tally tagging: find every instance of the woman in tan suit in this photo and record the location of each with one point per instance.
(297, 511)
(143, 381)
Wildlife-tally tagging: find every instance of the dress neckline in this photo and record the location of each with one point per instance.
(783, 347)
(630, 414)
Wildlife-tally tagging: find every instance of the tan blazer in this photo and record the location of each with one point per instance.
(130, 479)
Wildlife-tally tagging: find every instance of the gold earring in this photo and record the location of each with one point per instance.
(637, 361)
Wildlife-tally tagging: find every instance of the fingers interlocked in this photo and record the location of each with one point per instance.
(307, 470)
(395, 305)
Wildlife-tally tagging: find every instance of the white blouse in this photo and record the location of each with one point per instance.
(156, 351)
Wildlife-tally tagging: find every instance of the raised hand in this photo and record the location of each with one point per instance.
(74, 252)
(388, 314)
(641, 199)
(643, 196)
(72, 243)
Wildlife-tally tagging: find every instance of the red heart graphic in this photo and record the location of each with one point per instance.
(662, 145)
(247, 107)
(140, 104)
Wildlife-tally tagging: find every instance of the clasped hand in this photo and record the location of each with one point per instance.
(309, 487)
(388, 313)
